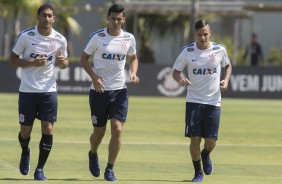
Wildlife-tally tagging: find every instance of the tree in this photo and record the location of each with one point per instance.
(65, 23)
(194, 17)
(148, 22)
(14, 9)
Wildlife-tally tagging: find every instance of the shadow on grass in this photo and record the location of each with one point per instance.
(54, 179)
(173, 181)
(77, 179)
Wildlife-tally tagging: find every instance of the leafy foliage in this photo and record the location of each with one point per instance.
(275, 56)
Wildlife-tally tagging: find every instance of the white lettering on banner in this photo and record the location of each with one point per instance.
(81, 75)
(168, 87)
(73, 89)
(271, 83)
(62, 75)
(245, 83)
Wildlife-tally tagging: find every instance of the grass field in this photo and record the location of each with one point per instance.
(154, 150)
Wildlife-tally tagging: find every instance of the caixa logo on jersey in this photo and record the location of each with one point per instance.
(168, 86)
(34, 56)
(116, 57)
(204, 71)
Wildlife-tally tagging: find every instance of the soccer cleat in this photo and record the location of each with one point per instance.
(207, 165)
(24, 163)
(39, 175)
(94, 166)
(198, 177)
(109, 175)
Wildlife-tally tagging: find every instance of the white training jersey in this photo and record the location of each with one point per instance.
(29, 45)
(204, 69)
(109, 56)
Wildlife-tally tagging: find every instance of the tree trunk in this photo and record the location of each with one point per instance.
(17, 27)
(193, 18)
(5, 43)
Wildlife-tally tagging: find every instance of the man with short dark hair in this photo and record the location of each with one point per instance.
(108, 96)
(204, 60)
(254, 51)
(36, 51)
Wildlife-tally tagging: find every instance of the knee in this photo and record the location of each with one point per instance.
(25, 131)
(99, 133)
(47, 128)
(25, 134)
(117, 131)
(210, 144)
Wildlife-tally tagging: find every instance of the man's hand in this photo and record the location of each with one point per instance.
(98, 84)
(184, 82)
(61, 60)
(39, 61)
(223, 85)
(134, 79)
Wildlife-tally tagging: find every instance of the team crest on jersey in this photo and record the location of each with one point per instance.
(126, 35)
(124, 45)
(52, 46)
(212, 58)
(190, 49)
(101, 34)
(58, 36)
(216, 48)
(31, 33)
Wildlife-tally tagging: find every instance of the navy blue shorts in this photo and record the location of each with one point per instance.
(42, 106)
(202, 120)
(108, 105)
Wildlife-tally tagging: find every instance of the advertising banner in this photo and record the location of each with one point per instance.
(156, 80)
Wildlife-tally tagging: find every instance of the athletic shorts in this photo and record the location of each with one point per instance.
(42, 106)
(202, 120)
(108, 105)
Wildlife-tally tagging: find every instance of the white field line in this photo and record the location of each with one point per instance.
(163, 143)
(7, 166)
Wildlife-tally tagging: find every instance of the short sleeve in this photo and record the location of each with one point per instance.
(132, 47)
(64, 47)
(180, 62)
(19, 46)
(91, 46)
(225, 59)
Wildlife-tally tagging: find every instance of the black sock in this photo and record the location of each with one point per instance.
(205, 153)
(24, 144)
(110, 166)
(44, 149)
(197, 165)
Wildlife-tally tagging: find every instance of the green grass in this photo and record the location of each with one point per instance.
(154, 148)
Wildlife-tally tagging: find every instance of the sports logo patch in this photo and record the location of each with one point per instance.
(94, 120)
(31, 33)
(21, 118)
(190, 49)
(101, 34)
(58, 36)
(126, 35)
